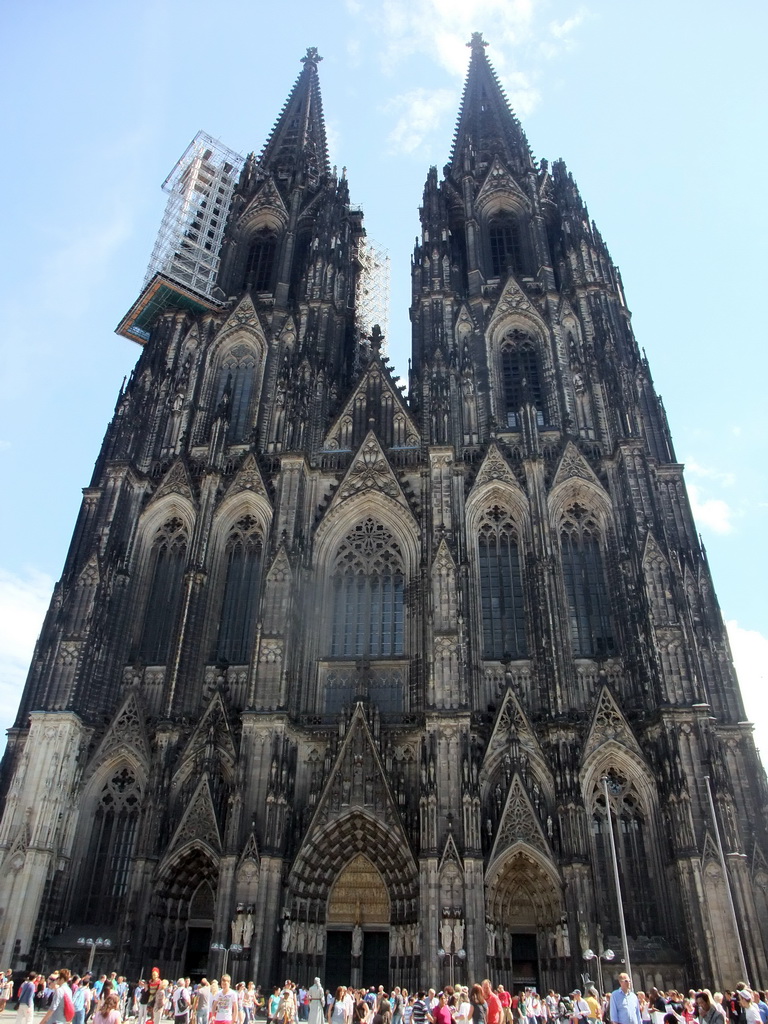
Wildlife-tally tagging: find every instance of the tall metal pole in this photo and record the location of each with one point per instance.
(90, 957)
(726, 879)
(622, 925)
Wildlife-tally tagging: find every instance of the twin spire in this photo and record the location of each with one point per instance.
(485, 127)
(298, 136)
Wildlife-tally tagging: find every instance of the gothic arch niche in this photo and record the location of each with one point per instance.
(499, 581)
(162, 563)
(524, 913)
(521, 364)
(585, 581)
(107, 840)
(237, 586)
(186, 885)
(366, 617)
(631, 819)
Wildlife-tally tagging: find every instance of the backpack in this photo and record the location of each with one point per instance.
(69, 1007)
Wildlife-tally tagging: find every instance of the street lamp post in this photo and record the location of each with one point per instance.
(451, 957)
(221, 947)
(94, 945)
(607, 955)
(622, 924)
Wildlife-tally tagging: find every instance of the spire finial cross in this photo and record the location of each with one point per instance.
(312, 57)
(477, 44)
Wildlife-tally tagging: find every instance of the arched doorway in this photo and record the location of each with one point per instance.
(526, 935)
(179, 931)
(357, 920)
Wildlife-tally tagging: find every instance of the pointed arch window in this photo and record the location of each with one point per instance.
(634, 855)
(241, 592)
(260, 264)
(235, 385)
(111, 842)
(585, 585)
(521, 377)
(166, 575)
(505, 241)
(501, 587)
(368, 594)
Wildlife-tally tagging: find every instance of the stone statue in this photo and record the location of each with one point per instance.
(301, 936)
(398, 944)
(320, 940)
(248, 930)
(458, 934)
(559, 941)
(287, 934)
(490, 939)
(236, 927)
(357, 941)
(566, 941)
(311, 938)
(446, 934)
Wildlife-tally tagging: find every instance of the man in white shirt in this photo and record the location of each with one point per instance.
(580, 1007)
(181, 1000)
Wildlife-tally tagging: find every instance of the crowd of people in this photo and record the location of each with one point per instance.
(65, 998)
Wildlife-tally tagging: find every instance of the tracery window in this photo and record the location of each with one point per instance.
(368, 594)
(235, 379)
(585, 585)
(241, 592)
(521, 377)
(505, 242)
(166, 574)
(501, 587)
(110, 848)
(633, 853)
(260, 264)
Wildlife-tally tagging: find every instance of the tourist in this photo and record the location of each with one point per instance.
(479, 1012)
(337, 1011)
(107, 1011)
(624, 1005)
(202, 1002)
(26, 1006)
(224, 1003)
(181, 1002)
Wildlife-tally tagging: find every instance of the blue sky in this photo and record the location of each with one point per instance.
(657, 108)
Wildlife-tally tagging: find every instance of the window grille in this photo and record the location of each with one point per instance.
(368, 594)
(260, 264)
(166, 573)
(241, 593)
(521, 377)
(501, 587)
(585, 586)
(110, 848)
(506, 245)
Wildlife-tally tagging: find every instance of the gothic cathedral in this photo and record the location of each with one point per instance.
(349, 682)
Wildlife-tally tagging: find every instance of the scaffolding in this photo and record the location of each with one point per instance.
(372, 299)
(200, 189)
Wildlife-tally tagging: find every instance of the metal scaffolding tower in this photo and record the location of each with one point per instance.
(200, 189)
(373, 288)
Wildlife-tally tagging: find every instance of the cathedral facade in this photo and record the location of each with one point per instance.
(345, 682)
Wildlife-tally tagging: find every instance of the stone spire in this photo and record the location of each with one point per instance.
(298, 137)
(486, 126)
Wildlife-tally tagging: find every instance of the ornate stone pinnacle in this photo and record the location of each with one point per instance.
(312, 57)
(477, 44)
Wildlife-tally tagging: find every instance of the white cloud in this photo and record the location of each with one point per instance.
(439, 31)
(694, 468)
(711, 512)
(24, 600)
(750, 656)
(420, 110)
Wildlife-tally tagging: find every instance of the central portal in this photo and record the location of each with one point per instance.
(357, 918)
